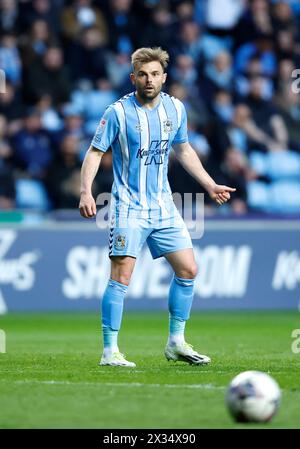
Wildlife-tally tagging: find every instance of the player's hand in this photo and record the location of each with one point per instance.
(221, 194)
(87, 206)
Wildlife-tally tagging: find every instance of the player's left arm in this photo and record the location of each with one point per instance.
(188, 158)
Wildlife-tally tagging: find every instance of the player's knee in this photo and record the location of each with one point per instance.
(189, 272)
(121, 271)
(123, 278)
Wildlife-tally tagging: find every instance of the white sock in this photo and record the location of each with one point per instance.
(176, 339)
(109, 350)
(176, 330)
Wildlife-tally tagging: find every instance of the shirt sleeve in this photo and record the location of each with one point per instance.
(107, 130)
(182, 134)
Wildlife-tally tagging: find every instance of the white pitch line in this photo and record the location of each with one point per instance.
(121, 384)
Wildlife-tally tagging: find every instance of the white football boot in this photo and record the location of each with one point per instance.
(115, 359)
(184, 352)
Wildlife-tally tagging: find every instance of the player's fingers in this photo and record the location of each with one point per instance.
(229, 189)
(225, 196)
(94, 210)
(89, 210)
(86, 211)
(82, 212)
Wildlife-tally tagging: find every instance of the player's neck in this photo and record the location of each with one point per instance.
(149, 104)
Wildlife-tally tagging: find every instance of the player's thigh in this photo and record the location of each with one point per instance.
(163, 241)
(122, 268)
(183, 263)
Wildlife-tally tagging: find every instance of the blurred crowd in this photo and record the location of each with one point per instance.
(233, 65)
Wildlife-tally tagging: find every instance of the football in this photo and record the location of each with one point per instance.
(253, 396)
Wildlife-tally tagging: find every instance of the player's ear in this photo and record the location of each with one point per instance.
(164, 78)
(132, 78)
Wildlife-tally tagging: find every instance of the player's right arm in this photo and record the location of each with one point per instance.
(105, 135)
(90, 166)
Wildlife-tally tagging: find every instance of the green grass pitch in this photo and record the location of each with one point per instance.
(50, 378)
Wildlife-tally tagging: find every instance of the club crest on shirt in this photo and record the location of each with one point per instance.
(138, 128)
(120, 242)
(168, 126)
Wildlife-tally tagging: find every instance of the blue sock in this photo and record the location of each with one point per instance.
(112, 311)
(180, 302)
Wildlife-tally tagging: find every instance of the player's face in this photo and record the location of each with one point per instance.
(148, 80)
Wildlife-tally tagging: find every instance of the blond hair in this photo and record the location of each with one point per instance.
(148, 54)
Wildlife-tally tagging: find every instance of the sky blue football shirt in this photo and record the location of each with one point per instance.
(141, 140)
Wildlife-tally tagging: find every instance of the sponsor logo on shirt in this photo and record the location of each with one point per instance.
(154, 154)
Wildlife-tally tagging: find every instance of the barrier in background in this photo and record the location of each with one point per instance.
(242, 265)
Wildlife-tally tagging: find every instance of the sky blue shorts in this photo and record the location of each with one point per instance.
(162, 238)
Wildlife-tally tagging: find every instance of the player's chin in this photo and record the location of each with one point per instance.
(151, 93)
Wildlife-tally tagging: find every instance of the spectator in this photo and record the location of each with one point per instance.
(237, 128)
(185, 73)
(9, 16)
(253, 69)
(73, 125)
(50, 119)
(63, 180)
(118, 69)
(262, 48)
(87, 56)
(49, 77)
(159, 31)
(190, 41)
(235, 170)
(218, 75)
(256, 20)
(286, 46)
(185, 11)
(288, 103)
(10, 60)
(93, 103)
(266, 116)
(81, 14)
(246, 134)
(42, 10)
(284, 77)
(7, 182)
(222, 106)
(195, 106)
(198, 140)
(123, 26)
(34, 45)
(32, 147)
(11, 107)
(283, 18)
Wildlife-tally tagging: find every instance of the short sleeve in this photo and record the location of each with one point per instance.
(182, 134)
(106, 131)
